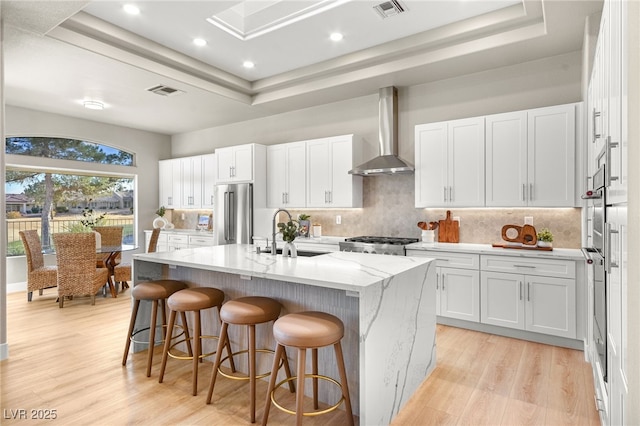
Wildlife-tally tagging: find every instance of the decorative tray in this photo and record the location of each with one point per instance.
(521, 247)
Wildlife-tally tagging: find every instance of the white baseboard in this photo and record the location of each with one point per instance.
(16, 287)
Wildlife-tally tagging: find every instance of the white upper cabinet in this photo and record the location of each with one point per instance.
(235, 164)
(209, 167)
(506, 159)
(329, 183)
(531, 158)
(551, 156)
(450, 163)
(286, 175)
(170, 183)
(191, 178)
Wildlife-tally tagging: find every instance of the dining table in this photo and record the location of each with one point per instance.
(110, 262)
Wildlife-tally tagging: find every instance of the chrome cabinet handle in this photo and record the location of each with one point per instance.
(528, 292)
(520, 284)
(325, 197)
(596, 135)
(524, 192)
(170, 201)
(212, 199)
(608, 262)
(525, 266)
(443, 277)
(437, 281)
(609, 145)
(530, 192)
(451, 194)
(444, 196)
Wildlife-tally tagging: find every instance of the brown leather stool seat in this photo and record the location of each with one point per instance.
(190, 300)
(154, 291)
(248, 311)
(308, 330)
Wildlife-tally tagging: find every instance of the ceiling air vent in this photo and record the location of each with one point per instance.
(164, 90)
(389, 8)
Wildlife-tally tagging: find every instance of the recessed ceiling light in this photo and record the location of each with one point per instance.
(131, 9)
(93, 105)
(336, 36)
(248, 64)
(199, 42)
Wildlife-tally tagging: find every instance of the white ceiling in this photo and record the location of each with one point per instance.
(59, 53)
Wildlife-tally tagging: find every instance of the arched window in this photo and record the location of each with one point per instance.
(53, 196)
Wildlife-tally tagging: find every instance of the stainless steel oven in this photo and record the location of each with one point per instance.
(596, 259)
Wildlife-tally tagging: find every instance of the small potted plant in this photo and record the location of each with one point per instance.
(289, 231)
(545, 238)
(160, 221)
(305, 224)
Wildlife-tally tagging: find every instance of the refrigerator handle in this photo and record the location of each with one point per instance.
(232, 216)
(226, 216)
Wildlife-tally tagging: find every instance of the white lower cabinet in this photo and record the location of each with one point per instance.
(528, 302)
(530, 294)
(171, 241)
(458, 291)
(457, 285)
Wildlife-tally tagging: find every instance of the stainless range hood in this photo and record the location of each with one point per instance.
(387, 162)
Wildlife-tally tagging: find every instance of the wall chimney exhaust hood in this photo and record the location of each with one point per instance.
(387, 162)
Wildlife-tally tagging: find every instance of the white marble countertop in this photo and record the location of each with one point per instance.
(202, 232)
(339, 270)
(310, 240)
(556, 253)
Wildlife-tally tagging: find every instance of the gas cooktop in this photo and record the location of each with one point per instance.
(377, 245)
(382, 240)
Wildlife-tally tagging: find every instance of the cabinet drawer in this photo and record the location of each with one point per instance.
(200, 241)
(529, 266)
(449, 259)
(178, 239)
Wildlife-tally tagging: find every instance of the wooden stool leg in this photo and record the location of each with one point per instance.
(152, 335)
(183, 317)
(287, 369)
(252, 371)
(343, 382)
(167, 344)
(163, 307)
(132, 323)
(214, 374)
(302, 360)
(272, 381)
(314, 370)
(197, 350)
(228, 345)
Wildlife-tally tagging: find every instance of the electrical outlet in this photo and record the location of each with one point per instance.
(182, 216)
(528, 220)
(338, 219)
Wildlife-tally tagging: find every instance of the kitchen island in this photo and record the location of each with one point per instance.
(387, 304)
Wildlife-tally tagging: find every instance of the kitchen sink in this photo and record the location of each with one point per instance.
(303, 253)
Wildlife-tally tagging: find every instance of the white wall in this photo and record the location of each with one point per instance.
(148, 148)
(550, 81)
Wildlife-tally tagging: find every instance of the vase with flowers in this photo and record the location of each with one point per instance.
(305, 224)
(289, 231)
(160, 221)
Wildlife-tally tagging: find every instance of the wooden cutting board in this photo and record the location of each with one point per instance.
(449, 230)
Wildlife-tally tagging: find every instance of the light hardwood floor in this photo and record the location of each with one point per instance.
(69, 360)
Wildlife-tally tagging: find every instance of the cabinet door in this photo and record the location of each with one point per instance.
(431, 184)
(466, 162)
(165, 175)
(225, 158)
(296, 174)
(276, 175)
(208, 180)
(459, 296)
(243, 163)
(551, 306)
(341, 151)
(502, 299)
(191, 182)
(318, 173)
(551, 156)
(506, 159)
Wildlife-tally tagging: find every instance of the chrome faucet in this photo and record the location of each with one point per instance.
(273, 228)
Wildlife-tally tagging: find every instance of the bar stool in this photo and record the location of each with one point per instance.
(248, 311)
(154, 291)
(190, 300)
(308, 330)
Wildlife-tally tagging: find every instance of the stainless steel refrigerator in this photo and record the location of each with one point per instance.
(233, 214)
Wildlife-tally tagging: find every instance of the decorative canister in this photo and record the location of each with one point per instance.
(317, 230)
(428, 236)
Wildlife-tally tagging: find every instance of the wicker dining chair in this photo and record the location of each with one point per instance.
(110, 236)
(39, 276)
(122, 272)
(77, 272)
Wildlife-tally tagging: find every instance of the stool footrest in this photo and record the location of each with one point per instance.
(240, 376)
(307, 413)
(174, 356)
